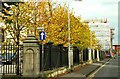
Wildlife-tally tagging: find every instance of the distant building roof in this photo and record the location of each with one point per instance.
(96, 21)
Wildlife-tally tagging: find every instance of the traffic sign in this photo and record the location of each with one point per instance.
(42, 35)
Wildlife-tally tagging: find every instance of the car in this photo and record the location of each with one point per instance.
(8, 58)
(108, 55)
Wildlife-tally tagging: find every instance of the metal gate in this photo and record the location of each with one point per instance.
(8, 53)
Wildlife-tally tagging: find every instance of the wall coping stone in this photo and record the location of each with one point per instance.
(31, 39)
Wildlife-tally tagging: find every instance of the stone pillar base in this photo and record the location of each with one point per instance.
(98, 59)
(89, 61)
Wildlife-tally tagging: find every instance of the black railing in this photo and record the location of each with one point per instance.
(54, 56)
(75, 56)
(85, 55)
(57, 56)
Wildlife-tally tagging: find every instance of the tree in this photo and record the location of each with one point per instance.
(16, 24)
(56, 27)
(29, 16)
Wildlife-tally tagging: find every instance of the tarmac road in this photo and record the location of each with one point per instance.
(108, 71)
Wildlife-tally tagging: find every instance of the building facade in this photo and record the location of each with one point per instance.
(102, 31)
(116, 48)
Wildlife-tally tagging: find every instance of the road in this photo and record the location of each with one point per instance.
(108, 71)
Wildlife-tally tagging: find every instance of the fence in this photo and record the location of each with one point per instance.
(85, 55)
(8, 53)
(54, 57)
(76, 56)
(57, 56)
(95, 54)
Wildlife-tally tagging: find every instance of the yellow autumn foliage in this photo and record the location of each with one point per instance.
(55, 22)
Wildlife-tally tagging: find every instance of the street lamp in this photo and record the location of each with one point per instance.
(69, 53)
(111, 39)
(69, 57)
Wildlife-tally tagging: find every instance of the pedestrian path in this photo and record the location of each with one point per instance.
(84, 71)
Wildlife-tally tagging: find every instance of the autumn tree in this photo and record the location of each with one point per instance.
(28, 16)
(17, 24)
(56, 27)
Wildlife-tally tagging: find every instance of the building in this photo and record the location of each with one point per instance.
(102, 31)
(116, 47)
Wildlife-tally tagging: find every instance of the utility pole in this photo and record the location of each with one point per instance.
(69, 53)
(69, 45)
(111, 39)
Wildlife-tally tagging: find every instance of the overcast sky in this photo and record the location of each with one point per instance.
(101, 9)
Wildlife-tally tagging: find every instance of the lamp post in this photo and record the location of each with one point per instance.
(91, 38)
(69, 45)
(111, 39)
(69, 57)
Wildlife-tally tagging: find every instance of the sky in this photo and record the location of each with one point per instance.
(100, 9)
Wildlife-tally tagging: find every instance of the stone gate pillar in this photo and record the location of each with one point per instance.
(89, 56)
(31, 57)
(93, 54)
(98, 57)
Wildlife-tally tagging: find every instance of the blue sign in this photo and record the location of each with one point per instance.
(42, 35)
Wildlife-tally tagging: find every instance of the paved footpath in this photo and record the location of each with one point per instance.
(84, 72)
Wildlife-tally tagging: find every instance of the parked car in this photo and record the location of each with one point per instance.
(108, 55)
(8, 58)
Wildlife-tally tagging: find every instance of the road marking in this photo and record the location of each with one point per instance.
(93, 73)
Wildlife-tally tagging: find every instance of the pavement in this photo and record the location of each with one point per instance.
(84, 72)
